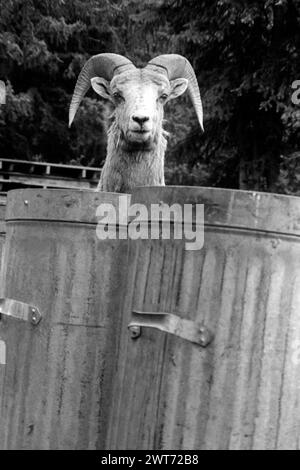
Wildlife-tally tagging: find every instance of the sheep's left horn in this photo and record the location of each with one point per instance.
(177, 66)
(101, 65)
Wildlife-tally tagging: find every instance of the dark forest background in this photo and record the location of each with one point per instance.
(245, 54)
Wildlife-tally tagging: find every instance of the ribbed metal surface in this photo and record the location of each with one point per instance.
(242, 391)
(58, 375)
(77, 380)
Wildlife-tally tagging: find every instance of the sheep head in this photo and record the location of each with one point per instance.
(137, 96)
(136, 99)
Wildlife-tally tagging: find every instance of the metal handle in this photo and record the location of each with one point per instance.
(170, 323)
(20, 310)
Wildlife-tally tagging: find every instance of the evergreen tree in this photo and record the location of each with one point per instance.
(245, 54)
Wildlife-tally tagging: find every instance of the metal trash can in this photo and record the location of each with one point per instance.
(60, 305)
(224, 372)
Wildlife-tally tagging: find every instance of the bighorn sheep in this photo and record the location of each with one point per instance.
(136, 140)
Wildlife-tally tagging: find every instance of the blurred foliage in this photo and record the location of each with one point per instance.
(245, 54)
(43, 45)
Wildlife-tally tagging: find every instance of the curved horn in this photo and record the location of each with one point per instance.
(177, 66)
(101, 65)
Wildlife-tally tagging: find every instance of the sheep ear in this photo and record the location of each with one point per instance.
(101, 86)
(178, 87)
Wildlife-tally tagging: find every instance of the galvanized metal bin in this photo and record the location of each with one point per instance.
(237, 385)
(57, 372)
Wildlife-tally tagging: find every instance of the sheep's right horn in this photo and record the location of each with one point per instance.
(101, 65)
(177, 66)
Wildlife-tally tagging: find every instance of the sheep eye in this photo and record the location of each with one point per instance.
(163, 97)
(118, 96)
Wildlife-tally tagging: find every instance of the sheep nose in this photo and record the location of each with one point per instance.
(140, 119)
